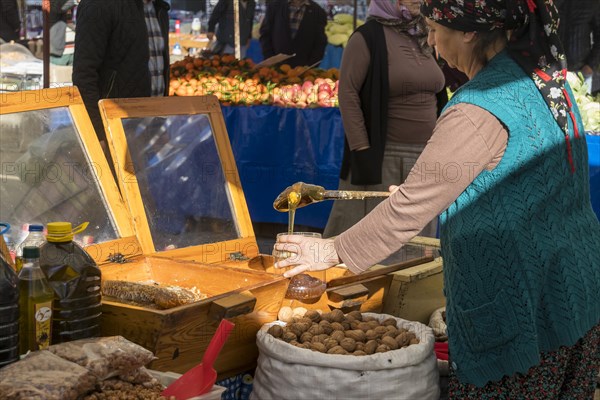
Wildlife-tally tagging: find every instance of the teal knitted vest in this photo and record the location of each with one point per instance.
(521, 244)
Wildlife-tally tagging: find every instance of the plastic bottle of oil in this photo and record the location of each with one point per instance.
(35, 300)
(9, 314)
(75, 279)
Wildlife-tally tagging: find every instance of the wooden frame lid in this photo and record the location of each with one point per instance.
(97, 166)
(165, 110)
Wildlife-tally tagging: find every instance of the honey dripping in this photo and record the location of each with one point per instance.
(293, 201)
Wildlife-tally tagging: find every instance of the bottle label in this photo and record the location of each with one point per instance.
(43, 324)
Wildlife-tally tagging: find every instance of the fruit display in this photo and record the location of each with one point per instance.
(589, 106)
(338, 30)
(240, 82)
(336, 333)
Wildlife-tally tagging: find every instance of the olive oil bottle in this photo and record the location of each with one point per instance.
(35, 301)
(9, 313)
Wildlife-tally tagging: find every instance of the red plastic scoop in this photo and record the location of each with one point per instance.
(202, 377)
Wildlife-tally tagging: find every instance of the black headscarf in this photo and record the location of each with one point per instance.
(534, 43)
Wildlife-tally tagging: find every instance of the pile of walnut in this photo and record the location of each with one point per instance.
(115, 389)
(336, 333)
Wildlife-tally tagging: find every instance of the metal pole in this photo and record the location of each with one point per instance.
(355, 15)
(46, 42)
(236, 28)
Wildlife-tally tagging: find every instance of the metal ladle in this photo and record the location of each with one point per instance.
(310, 193)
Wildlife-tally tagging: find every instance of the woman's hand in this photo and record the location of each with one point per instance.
(308, 254)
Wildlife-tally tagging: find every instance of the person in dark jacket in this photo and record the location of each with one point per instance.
(222, 16)
(10, 24)
(121, 51)
(294, 27)
(579, 31)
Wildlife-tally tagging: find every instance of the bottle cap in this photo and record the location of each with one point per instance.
(63, 231)
(31, 252)
(36, 228)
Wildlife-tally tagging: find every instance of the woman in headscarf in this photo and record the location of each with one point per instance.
(507, 169)
(388, 84)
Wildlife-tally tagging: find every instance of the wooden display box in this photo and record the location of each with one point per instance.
(179, 180)
(54, 169)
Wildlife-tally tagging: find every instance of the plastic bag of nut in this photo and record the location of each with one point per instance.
(44, 376)
(105, 357)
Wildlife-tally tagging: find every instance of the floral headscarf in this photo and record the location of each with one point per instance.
(534, 43)
(387, 12)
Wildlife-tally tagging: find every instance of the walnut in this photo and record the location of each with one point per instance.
(329, 343)
(380, 330)
(390, 322)
(414, 341)
(349, 318)
(356, 334)
(410, 335)
(289, 336)
(359, 353)
(306, 337)
(327, 317)
(355, 324)
(369, 319)
(337, 350)
(338, 335)
(392, 329)
(295, 329)
(326, 327)
(390, 342)
(299, 312)
(348, 344)
(306, 321)
(382, 348)
(315, 329)
(389, 334)
(356, 315)
(346, 325)
(285, 314)
(295, 343)
(370, 347)
(323, 337)
(360, 346)
(364, 326)
(373, 324)
(371, 335)
(320, 347)
(402, 339)
(313, 315)
(337, 316)
(276, 331)
(337, 326)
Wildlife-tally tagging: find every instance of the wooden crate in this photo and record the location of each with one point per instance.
(416, 292)
(179, 336)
